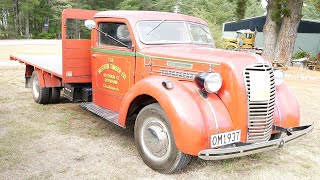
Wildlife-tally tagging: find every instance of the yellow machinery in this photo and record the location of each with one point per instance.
(245, 40)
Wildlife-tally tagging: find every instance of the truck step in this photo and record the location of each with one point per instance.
(102, 112)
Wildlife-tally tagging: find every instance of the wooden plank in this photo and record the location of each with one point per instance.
(49, 63)
(77, 53)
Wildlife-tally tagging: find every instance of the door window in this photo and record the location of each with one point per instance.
(118, 31)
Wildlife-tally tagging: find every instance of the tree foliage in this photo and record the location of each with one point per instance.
(148, 5)
(42, 18)
(311, 9)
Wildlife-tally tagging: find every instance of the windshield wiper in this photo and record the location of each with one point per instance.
(156, 27)
(204, 29)
(116, 40)
(201, 26)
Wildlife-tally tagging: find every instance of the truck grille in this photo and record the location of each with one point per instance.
(260, 113)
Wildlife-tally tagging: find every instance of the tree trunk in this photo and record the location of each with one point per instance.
(27, 32)
(288, 32)
(270, 32)
(46, 24)
(3, 18)
(16, 17)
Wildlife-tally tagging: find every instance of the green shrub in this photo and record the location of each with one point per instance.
(44, 36)
(300, 54)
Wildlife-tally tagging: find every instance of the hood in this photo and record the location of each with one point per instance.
(205, 54)
(231, 67)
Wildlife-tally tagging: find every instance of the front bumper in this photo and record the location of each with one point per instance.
(244, 149)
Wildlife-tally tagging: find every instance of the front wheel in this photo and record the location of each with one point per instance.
(155, 142)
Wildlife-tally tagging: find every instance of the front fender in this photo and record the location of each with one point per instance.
(287, 113)
(191, 117)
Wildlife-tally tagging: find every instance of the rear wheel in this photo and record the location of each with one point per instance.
(54, 95)
(155, 142)
(40, 95)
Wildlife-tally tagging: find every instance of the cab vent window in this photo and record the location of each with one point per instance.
(118, 31)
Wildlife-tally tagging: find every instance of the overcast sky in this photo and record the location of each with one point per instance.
(264, 3)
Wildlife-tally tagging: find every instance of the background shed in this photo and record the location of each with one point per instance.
(308, 37)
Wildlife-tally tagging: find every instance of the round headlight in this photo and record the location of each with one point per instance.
(278, 77)
(212, 82)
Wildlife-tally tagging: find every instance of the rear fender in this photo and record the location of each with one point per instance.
(28, 74)
(191, 118)
(47, 80)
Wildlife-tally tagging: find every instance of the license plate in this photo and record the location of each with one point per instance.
(225, 138)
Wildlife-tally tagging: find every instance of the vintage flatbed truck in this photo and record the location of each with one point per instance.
(189, 98)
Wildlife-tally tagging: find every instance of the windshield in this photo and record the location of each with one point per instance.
(170, 32)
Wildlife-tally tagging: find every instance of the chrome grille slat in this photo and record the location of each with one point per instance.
(260, 118)
(264, 120)
(256, 131)
(260, 114)
(262, 106)
(255, 113)
(261, 134)
(259, 125)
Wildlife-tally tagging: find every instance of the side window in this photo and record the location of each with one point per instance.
(118, 31)
(248, 36)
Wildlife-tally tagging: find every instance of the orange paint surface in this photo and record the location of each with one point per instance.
(119, 75)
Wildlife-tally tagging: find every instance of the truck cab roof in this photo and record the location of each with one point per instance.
(135, 16)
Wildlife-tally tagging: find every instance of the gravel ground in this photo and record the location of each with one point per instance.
(62, 141)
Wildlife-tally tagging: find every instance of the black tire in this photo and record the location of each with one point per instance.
(54, 95)
(153, 123)
(275, 136)
(40, 95)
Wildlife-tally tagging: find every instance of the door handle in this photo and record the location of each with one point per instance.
(94, 55)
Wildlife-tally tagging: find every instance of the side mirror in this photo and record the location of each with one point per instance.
(90, 24)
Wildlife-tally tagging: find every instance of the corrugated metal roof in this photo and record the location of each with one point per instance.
(257, 23)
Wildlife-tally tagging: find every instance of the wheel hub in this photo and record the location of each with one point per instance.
(36, 87)
(156, 139)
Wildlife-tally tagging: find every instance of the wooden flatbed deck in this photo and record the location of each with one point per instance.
(49, 63)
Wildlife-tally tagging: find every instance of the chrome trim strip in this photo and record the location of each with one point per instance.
(214, 115)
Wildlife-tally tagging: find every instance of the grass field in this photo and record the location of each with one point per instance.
(7, 47)
(62, 141)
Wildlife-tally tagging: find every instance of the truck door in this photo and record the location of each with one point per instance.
(113, 64)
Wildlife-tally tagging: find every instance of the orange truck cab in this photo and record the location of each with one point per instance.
(186, 97)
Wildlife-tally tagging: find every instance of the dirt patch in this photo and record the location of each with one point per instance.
(63, 141)
(301, 74)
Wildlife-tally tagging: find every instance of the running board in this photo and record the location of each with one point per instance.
(105, 114)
